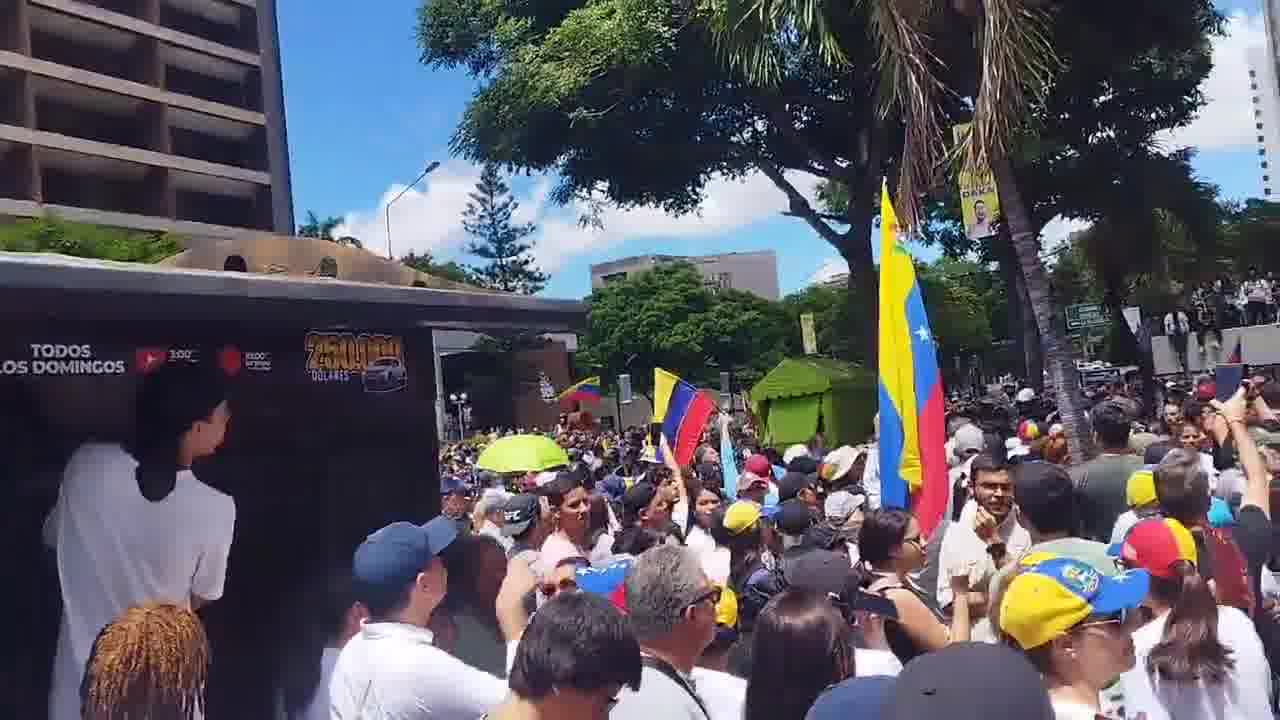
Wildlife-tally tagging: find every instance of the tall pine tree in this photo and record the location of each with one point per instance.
(510, 265)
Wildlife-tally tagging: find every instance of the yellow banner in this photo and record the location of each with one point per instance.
(979, 197)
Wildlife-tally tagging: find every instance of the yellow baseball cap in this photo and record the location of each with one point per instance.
(1050, 598)
(727, 608)
(741, 517)
(1141, 489)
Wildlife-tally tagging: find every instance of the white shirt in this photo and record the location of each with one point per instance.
(700, 542)
(724, 694)
(871, 476)
(495, 532)
(318, 707)
(962, 546)
(716, 565)
(868, 662)
(391, 671)
(117, 550)
(1244, 694)
(1176, 324)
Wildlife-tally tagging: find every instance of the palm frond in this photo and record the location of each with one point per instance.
(910, 84)
(751, 36)
(1017, 66)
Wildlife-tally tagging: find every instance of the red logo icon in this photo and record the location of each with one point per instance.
(230, 360)
(148, 359)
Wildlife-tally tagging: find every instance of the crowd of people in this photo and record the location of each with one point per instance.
(749, 584)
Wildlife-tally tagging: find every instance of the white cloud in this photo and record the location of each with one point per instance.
(426, 218)
(1226, 120)
(429, 219)
(830, 269)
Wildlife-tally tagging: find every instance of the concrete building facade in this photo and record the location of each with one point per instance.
(753, 272)
(1266, 116)
(157, 115)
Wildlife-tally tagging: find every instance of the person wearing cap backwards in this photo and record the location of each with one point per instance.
(526, 519)
(969, 681)
(1073, 624)
(1195, 659)
(392, 669)
(134, 525)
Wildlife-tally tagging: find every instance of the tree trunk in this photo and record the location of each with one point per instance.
(1007, 259)
(1032, 348)
(1057, 352)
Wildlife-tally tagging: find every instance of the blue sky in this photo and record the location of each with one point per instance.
(365, 116)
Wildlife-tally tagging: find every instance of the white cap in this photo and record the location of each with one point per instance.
(1015, 448)
(969, 439)
(1026, 395)
(841, 504)
(793, 452)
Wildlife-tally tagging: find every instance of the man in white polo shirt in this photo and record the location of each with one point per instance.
(391, 670)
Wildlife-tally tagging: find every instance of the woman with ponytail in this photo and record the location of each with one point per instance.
(133, 525)
(1195, 659)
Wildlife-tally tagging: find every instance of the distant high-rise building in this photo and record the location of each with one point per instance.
(753, 272)
(160, 115)
(1266, 115)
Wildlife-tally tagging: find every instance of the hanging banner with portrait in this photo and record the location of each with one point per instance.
(979, 197)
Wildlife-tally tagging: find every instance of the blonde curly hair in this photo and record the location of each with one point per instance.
(151, 662)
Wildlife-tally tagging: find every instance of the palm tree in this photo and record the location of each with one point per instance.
(1014, 64)
(314, 227)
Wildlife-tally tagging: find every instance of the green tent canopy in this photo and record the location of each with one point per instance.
(802, 395)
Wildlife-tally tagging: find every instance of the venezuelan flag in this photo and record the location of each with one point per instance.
(683, 412)
(912, 459)
(582, 391)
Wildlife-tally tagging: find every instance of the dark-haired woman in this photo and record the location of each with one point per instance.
(331, 617)
(892, 548)
(574, 658)
(1195, 658)
(133, 524)
(802, 646)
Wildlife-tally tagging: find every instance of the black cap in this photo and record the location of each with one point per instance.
(793, 518)
(822, 571)
(858, 698)
(637, 498)
(970, 681)
(793, 482)
(805, 465)
(519, 513)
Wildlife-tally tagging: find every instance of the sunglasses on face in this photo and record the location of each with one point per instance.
(551, 589)
(712, 595)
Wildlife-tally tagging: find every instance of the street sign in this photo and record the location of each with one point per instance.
(1083, 316)
(808, 335)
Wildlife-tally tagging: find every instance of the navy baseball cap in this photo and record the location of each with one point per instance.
(855, 698)
(392, 557)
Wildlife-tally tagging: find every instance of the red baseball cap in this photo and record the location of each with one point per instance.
(1155, 545)
(758, 464)
(1206, 390)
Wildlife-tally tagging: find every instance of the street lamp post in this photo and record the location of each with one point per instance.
(460, 401)
(429, 169)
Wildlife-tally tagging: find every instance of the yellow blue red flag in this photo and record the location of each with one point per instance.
(912, 459)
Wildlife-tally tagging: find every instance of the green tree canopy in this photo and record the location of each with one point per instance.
(425, 262)
(499, 240)
(668, 318)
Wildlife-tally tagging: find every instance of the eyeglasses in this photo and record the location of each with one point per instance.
(712, 595)
(551, 589)
(916, 541)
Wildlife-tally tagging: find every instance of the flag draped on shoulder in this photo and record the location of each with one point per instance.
(912, 410)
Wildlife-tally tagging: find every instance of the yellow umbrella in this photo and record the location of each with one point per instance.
(522, 453)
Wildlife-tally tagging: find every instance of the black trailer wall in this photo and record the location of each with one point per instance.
(320, 452)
